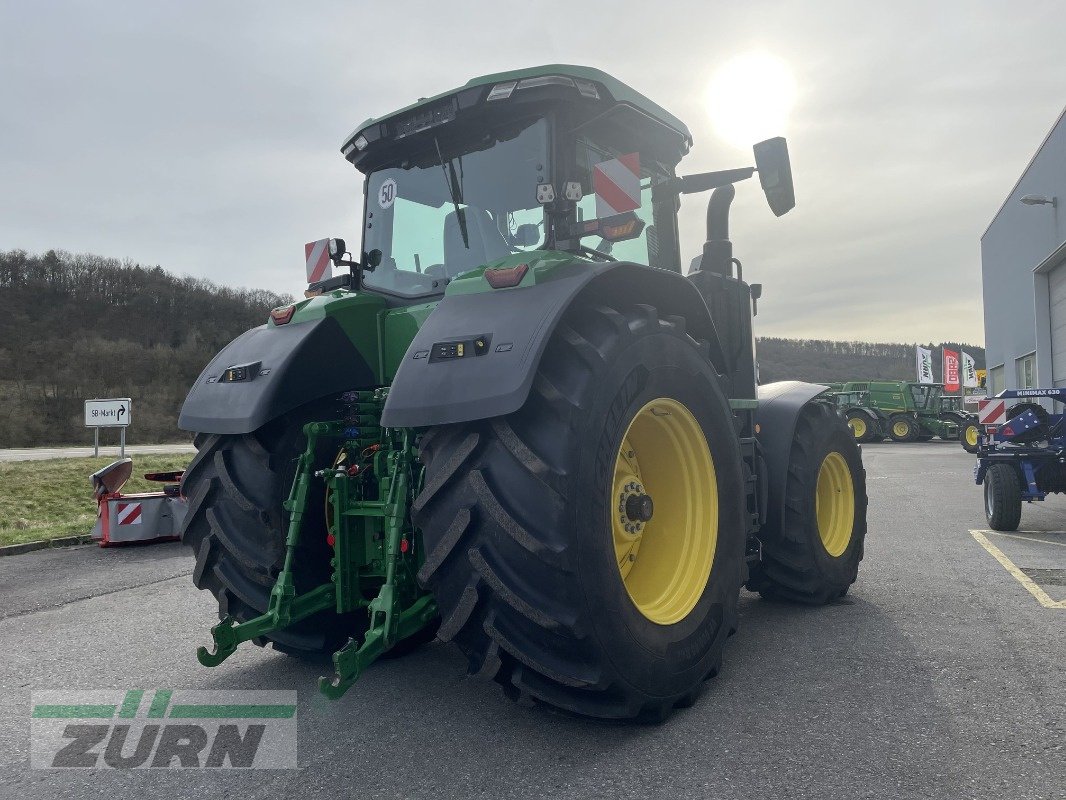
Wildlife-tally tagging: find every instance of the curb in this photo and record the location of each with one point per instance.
(29, 547)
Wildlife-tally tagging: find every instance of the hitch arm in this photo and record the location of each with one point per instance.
(389, 621)
(285, 607)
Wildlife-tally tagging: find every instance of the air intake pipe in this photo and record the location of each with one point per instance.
(718, 250)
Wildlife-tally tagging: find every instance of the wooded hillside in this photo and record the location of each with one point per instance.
(821, 360)
(76, 327)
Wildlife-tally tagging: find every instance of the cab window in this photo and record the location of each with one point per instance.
(599, 146)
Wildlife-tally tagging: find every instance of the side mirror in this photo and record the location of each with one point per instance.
(775, 174)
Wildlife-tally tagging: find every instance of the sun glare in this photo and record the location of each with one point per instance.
(750, 97)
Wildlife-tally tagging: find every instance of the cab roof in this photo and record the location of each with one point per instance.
(619, 92)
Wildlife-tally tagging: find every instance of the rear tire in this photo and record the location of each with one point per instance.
(902, 428)
(970, 436)
(517, 517)
(236, 527)
(1003, 498)
(863, 427)
(813, 556)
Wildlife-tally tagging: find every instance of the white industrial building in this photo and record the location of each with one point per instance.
(1023, 269)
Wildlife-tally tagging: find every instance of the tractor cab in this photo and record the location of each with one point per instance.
(926, 396)
(513, 162)
(554, 158)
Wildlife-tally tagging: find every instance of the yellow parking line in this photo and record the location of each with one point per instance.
(1045, 533)
(1028, 538)
(1041, 596)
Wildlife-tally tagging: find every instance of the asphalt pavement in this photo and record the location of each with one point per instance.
(939, 676)
(42, 453)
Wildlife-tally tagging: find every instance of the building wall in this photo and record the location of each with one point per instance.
(1020, 239)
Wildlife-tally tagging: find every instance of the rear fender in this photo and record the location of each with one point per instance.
(292, 365)
(780, 406)
(513, 327)
(868, 412)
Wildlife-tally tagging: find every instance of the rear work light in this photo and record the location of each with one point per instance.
(506, 277)
(282, 315)
(546, 80)
(502, 91)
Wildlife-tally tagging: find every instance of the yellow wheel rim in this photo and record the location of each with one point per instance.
(664, 545)
(858, 427)
(901, 429)
(971, 435)
(834, 503)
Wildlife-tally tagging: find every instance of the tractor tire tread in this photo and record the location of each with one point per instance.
(507, 602)
(1003, 483)
(789, 570)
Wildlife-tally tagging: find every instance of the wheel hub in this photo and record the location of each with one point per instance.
(834, 504)
(639, 507)
(664, 548)
(634, 509)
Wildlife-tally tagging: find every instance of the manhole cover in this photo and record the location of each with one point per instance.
(1047, 577)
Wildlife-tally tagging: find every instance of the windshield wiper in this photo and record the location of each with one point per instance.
(455, 192)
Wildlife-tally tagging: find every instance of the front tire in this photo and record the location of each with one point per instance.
(902, 428)
(1003, 498)
(863, 427)
(812, 554)
(521, 514)
(970, 436)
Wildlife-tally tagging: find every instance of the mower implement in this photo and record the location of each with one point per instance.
(1022, 458)
(514, 423)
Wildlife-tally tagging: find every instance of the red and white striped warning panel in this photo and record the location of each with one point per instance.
(992, 412)
(317, 254)
(617, 185)
(128, 513)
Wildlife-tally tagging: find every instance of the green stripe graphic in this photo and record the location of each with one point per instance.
(73, 712)
(160, 703)
(131, 703)
(232, 712)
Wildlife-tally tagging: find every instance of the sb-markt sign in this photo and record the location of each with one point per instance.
(111, 413)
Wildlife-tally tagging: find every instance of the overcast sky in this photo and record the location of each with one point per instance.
(204, 136)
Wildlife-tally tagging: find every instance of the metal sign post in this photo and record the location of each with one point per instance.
(110, 413)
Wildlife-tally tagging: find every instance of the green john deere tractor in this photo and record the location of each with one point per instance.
(903, 411)
(512, 422)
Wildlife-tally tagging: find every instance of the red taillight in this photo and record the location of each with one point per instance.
(990, 429)
(283, 314)
(506, 277)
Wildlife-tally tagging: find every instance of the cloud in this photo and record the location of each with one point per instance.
(204, 136)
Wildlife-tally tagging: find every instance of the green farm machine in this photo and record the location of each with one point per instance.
(513, 423)
(904, 412)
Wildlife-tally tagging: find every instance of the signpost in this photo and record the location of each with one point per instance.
(111, 413)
